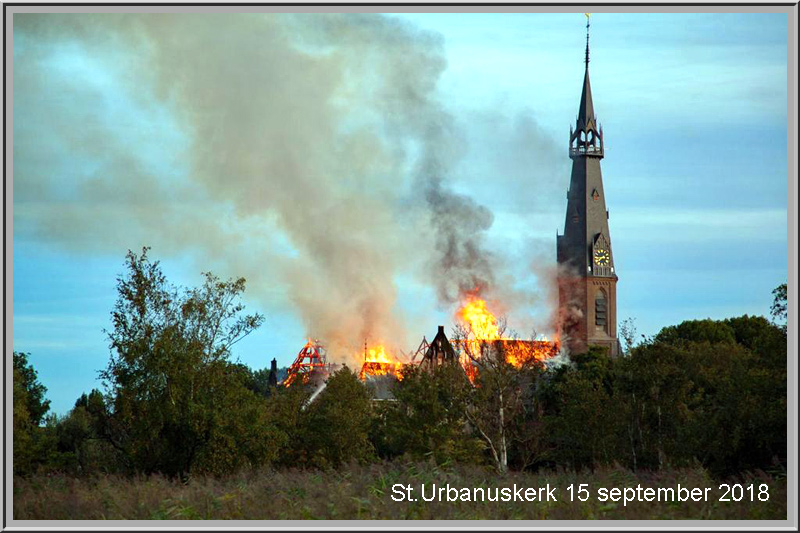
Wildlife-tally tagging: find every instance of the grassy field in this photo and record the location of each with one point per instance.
(365, 492)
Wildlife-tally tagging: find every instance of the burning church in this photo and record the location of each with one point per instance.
(587, 280)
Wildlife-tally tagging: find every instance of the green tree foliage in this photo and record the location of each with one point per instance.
(285, 409)
(707, 330)
(496, 403)
(428, 418)
(764, 383)
(35, 402)
(579, 421)
(778, 308)
(259, 382)
(240, 432)
(22, 426)
(175, 400)
(81, 448)
(627, 332)
(335, 426)
(496, 407)
(704, 390)
(653, 388)
(34, 438)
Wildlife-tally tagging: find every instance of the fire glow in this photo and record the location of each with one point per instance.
(483, 332)
(378, 363)
(482, 323)
(483, 328)
(310, 358)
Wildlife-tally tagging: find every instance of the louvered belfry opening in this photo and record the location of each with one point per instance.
(600, 310)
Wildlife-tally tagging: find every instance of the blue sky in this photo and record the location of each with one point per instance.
(217, 141)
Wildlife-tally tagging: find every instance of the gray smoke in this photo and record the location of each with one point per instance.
(308, 153)
(462, 264)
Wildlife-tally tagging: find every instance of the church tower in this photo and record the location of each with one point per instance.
(587, 280)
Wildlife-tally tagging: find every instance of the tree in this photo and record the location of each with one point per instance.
(33, 431)
(428, 417)
(655, 382)
(708, 330)
(22, 426)
(35, 402)
(241, 434)
(494, 406)
(778, 308)
(260, 382)
(336, 424)
(171, 385)
(581, 417)
(715, 393)
(285, 411)
(627, 330)
(80, 446)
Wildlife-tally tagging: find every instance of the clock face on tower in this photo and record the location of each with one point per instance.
(601, 256)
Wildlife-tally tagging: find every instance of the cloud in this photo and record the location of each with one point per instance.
(687, 226)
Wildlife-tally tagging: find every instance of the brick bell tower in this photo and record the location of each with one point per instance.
(587, 280)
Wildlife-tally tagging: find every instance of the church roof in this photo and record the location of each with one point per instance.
(440, 347)
(586, 118)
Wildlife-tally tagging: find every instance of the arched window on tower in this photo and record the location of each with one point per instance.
(601, 310)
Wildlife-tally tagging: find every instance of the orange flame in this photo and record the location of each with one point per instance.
(310, 359)
(378, 363)
(481, 322)
(483, 327)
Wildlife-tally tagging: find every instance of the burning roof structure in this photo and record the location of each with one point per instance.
(309, 365)
(378, 363)
(517, 352)
(479, 338)
(483, 338)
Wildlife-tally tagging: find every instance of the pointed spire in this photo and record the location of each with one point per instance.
(586, 139)
(586, 109)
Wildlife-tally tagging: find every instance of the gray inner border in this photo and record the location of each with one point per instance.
(792, 198)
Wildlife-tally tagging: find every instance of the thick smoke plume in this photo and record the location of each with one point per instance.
(463, 265)
(309, 154)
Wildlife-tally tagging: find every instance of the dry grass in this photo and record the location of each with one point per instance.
(364, 492)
